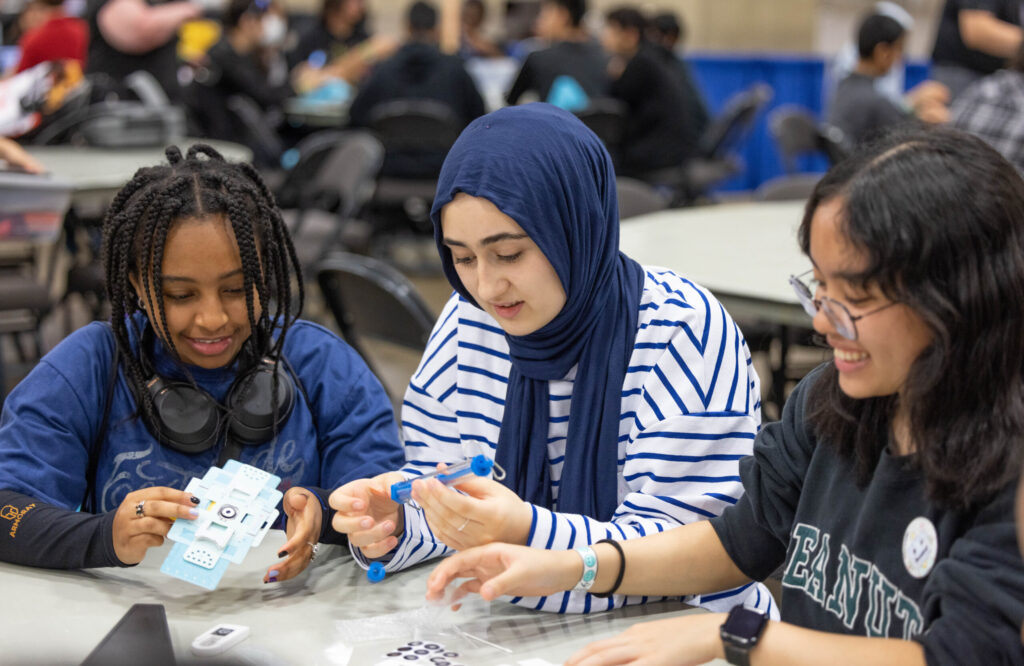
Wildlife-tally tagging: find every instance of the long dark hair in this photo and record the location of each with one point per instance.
(198, 185)
(940, 217)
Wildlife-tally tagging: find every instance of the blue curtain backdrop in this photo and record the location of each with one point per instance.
(795, 80)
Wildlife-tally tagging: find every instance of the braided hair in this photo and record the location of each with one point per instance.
(198, 185)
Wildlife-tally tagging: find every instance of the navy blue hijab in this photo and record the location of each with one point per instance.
(543, 168)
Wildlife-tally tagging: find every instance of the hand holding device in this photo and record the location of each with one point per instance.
(366, 513)
(144, 518)
(483, 511)
(480, 465)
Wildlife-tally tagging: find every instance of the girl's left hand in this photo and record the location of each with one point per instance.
(304, 517)
(680, 641)
(487, 512)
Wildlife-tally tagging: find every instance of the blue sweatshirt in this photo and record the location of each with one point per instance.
(52, 418)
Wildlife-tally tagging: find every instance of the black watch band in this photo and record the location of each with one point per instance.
(740, 633)
(734, 654)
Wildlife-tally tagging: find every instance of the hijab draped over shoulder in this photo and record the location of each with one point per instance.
(543, 168)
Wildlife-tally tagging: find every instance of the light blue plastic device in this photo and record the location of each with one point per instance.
(480, 465)
(237, 506)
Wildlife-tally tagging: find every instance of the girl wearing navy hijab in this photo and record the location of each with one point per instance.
(616, 399)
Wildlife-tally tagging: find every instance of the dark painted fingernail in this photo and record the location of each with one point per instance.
(283, 553)
(194, 499)
(272, 580)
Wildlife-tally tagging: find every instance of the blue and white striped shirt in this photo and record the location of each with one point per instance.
(690, 411)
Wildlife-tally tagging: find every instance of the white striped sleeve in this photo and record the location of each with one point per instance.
(685, 427)
(431, 435)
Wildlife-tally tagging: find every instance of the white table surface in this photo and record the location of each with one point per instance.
(97, 173)
(743, 252)
(58, 617)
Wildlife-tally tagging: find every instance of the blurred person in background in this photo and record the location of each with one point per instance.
(338, 46)
(572, 53)
(892, 84)
(475, 43)
(859, 109)
(975, 37)
(50, 34)
(658, 132)
(130, 35)
(993, 109)
(418, 71)
(14, 158)
(665, 33)
(233, 68)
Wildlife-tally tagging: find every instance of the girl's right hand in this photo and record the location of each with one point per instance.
(134, 534)
(368, 515)
(499, 569)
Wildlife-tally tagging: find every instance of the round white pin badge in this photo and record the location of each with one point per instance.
(920, 547)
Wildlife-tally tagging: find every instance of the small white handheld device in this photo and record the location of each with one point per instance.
(218, 639)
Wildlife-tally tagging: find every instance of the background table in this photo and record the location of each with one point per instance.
(58, 617)
(98, 173)
(744, 253)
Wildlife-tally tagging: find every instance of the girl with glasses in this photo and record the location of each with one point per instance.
(886, 493)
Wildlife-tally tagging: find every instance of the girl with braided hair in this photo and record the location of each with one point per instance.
(204, 360)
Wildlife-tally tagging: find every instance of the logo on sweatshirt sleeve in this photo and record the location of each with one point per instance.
(14, 514)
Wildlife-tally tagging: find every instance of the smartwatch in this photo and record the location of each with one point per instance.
(740, 633)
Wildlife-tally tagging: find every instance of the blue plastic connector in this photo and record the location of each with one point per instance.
(376, 573)
(480, 465)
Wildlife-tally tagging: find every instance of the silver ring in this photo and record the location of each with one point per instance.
(463, 525)
(316, 549)
(140, 510)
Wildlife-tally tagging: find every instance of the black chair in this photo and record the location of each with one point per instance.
(24, 302)
(606, 117)
(85, 280)
(333, 181)
(292, 186)
(31, 209)
(715, 160)
(417, 134)
(638, 198)
(788, 187)
(256, 131)
(797, 133)
(371, 300)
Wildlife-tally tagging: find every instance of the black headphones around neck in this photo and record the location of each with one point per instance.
(187, 419)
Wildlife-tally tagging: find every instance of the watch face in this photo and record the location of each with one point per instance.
(744, 623)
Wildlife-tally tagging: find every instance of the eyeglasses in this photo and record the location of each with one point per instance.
(845, 323)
